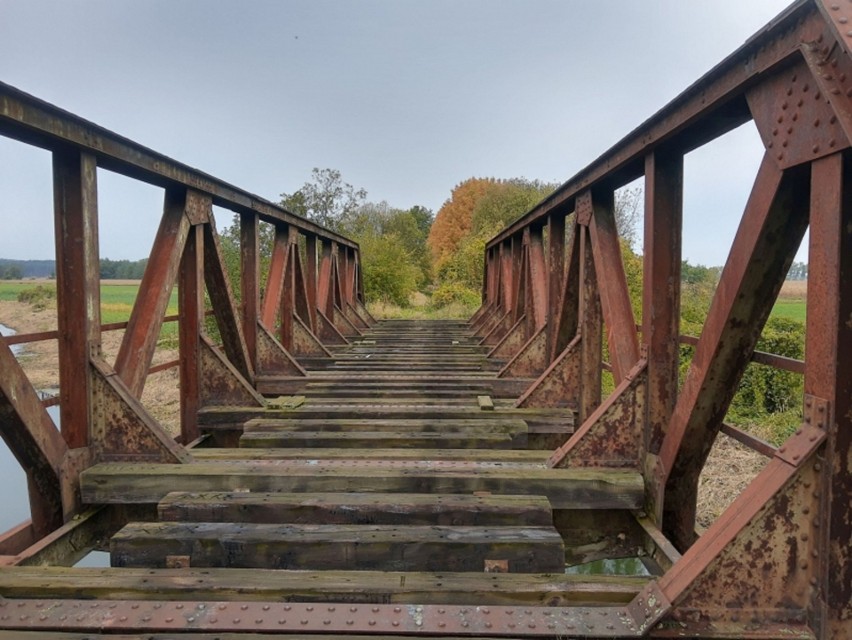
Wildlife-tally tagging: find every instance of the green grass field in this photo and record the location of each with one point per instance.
(116, 299)
(793, 309)
(117, 303)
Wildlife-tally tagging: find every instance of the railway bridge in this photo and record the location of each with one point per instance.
(335, 475)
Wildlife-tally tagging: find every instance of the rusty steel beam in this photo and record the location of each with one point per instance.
(288, 292)
(250, 282)
(222, 300)
(275, 278)
(661, 287)
(26, 118)
(325, 300)
(143, 329)
(566, 319)
(590, 327)
(311, 279)
(538, 279)
(191, 312)
(828, 382)
(77, 287)
(764, 247)
(612, 284)
(33, 439)
(555, 269)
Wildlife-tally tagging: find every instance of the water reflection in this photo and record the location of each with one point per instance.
(13, 480)
(16, 507)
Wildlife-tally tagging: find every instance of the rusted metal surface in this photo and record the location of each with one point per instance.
(249, 282)
(766, 242)
(275, 617)
(143, 329)
(34, 441)
(802, 125)
(612, 285)
(222, 298)
(191, 312)
(661, 290)
(122, 429)
(613, 435)
(590, 328)
(559, 385)
(77, 287)
(828, 384)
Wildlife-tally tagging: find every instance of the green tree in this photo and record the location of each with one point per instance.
(10, 272)
(326, 199)
(394, 256)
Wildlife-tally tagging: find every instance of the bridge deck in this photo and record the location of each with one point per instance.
(431, 469)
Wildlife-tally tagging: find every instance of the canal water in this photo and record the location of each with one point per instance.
(13, 482)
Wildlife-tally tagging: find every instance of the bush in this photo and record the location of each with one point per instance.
(455, 292)
(765, 390)
(39, 297)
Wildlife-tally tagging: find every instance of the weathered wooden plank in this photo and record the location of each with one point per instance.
(522, 456)
(504, 425)
(485, 403)
(566, 488)
(230, 415)
(470, 439)
(338, 547)
(356, 508)
(555, 589)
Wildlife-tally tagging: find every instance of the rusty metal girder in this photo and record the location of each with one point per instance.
(135, 616)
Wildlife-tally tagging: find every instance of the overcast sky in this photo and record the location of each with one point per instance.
(406, 99)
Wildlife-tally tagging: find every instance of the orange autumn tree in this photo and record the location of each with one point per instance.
(454, 219)
(477, 209)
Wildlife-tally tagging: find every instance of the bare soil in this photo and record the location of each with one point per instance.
(41, 363)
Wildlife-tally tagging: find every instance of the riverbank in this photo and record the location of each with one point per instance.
(40, 360)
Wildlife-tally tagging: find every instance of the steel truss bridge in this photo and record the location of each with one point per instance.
(336, 475)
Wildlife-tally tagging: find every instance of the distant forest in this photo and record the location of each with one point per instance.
(110, 269)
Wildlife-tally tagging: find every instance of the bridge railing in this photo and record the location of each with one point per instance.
(311, 297)
(549, 293)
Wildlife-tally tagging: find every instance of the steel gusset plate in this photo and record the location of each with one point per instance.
(796, 118)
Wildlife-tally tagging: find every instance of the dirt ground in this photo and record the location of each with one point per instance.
(40, 361)
(730, 468)
(794, 290)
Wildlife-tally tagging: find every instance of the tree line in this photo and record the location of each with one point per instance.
(109, 269)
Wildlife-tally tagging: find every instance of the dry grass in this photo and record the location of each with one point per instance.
(729, 469)
(40, 361)
(794, 290)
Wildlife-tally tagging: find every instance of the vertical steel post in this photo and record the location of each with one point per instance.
(590, 328)
(828, 380)
(249, 282)
(311, 277)
(661, 288)
(191, 311)
(77, 287)
(555, 267)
